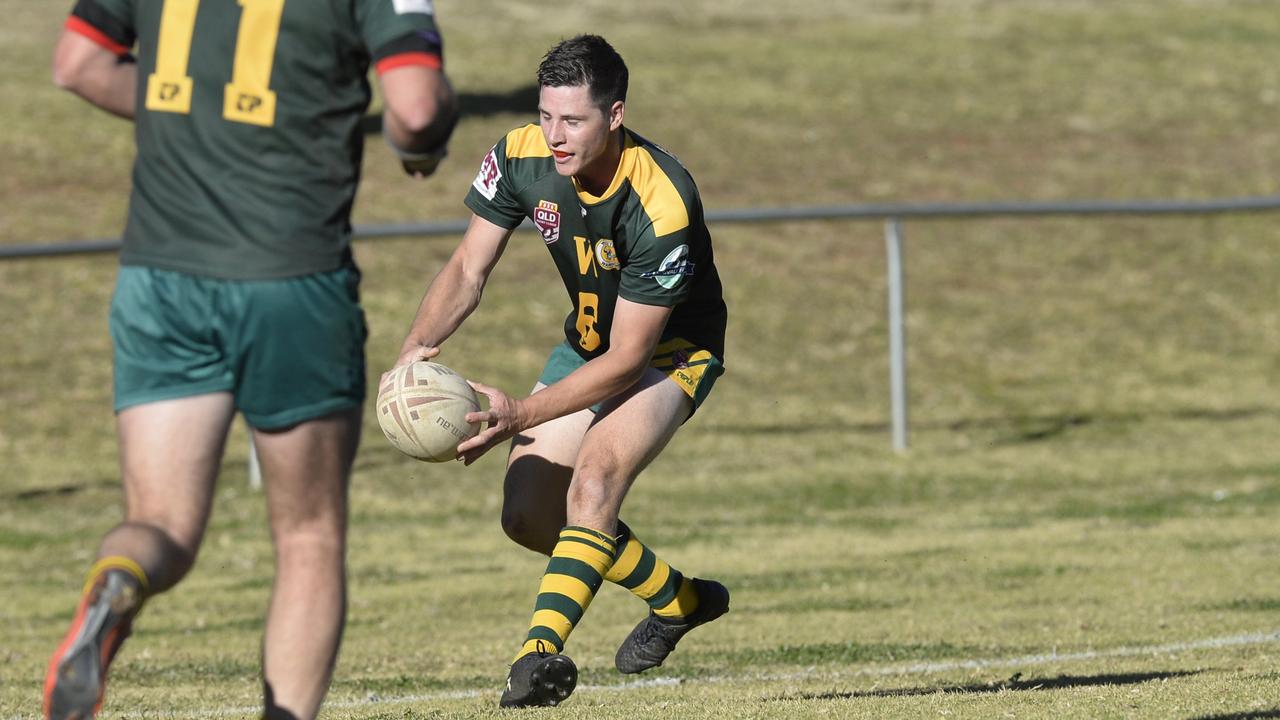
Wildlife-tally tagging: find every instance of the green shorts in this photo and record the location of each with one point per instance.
(690, 366)
(288, 350)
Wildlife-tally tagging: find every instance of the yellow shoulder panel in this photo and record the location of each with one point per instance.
(661, 200)
(526, 142)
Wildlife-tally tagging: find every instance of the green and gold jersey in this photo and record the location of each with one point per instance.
(248, 124)
(643, 239)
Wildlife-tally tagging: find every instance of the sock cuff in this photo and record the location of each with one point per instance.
(622, 537)
(117, 562)
(584, 545)
(593, 538)
(595, 534)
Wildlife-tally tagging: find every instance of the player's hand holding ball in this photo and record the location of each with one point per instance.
(505, 418)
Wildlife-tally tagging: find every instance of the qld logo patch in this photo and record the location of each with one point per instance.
(607, 255)
(674, 266)
(547, 219)
(486, 182)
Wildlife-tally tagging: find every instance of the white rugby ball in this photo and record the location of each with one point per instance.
(422, 408)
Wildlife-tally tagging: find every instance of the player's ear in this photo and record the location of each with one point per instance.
(616, 111)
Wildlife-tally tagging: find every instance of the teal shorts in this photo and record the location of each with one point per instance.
(288, 350)
(690, 366)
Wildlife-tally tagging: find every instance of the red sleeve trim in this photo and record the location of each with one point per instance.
(409, 58)
(80, 27)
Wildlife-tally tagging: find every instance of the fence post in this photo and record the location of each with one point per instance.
(897, 333)
(255, 470)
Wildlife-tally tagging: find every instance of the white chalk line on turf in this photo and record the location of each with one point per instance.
(1046, 658)
(922, 668)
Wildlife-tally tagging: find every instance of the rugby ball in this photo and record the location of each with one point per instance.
(422, 410)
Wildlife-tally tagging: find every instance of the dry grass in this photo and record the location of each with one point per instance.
(1093, 472)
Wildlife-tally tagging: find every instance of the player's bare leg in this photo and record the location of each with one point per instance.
(539, 469)
(305, 473)
(539, 497)
(629, 433)
(618, 443)
(170, 452)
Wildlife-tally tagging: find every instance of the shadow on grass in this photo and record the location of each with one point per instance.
(521, 101)
(61, 490)
(1021, 428)
(1243, 605)
(1253, 715)
(1014, 683)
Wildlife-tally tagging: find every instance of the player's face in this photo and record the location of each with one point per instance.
(578, 132)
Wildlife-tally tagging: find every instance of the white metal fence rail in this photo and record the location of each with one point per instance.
(892, 214)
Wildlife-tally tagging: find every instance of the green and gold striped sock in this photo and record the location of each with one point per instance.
(578, 564)
(638, 569)
(117, 562)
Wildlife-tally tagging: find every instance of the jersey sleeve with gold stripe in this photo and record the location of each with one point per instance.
(666, 236)
(249, 124)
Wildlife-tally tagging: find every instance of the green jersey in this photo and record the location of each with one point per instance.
(643, 239)
(248, 124)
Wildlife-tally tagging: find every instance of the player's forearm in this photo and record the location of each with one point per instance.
(596, 381)
(449, 300)
(455, 291)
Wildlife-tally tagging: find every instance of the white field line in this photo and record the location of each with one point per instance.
(923, 668)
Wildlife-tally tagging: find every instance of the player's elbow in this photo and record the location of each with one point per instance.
(631, 365)
(80, 65)
(68, 73)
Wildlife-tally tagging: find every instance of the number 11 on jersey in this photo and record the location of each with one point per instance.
(248, 97)
(169, 87)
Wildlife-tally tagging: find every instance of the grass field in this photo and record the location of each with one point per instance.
(1085, 526)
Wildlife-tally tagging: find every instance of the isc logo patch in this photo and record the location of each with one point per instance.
(486, 182)
(547, 218)
(675, 265)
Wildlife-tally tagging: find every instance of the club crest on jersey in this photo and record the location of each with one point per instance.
(607, 255)
(486, 182)
(674, 266)
(547, 218)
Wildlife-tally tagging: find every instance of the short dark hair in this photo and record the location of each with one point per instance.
(586, 60)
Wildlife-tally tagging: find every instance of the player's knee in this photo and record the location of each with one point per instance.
(529, 530)
(179, 555)
(595, 491)
(516, 525)
(584, 499)
(164, 558)
(176, 528)
(316, 522)
(301, 542)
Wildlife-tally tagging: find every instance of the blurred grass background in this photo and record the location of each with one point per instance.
(1094, 402)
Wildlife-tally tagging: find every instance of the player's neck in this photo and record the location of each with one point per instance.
(597, 177)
